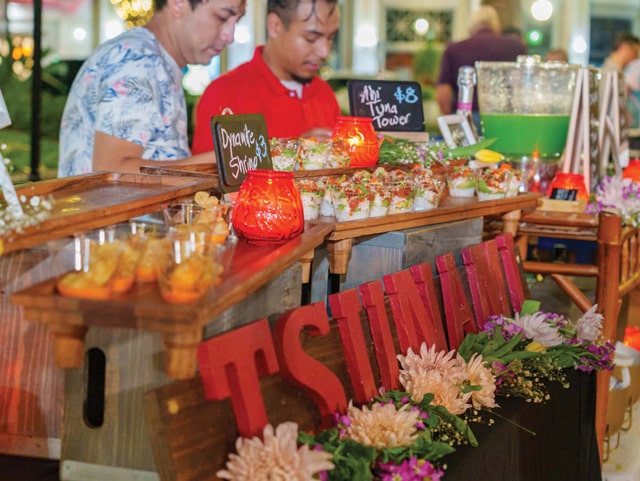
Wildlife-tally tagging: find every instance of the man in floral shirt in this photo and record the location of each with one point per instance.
(126, 106)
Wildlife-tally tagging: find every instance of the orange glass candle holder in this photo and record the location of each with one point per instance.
(569, 181)
(361, 139)
(268, 208)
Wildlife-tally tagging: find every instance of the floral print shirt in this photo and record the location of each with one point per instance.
(130, 88)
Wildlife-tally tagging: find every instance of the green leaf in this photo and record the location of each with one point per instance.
(529, 306)
(467, 150)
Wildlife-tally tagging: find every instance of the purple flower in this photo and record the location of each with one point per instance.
(411, 469)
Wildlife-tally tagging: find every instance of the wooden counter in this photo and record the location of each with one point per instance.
(137, 330)
(142, 308)
(91, 201)
(451, 209)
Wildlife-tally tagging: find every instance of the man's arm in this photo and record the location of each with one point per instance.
(117, 155)
(444, 97)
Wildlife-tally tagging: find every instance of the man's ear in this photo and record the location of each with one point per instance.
(274, 25)
(176, 7)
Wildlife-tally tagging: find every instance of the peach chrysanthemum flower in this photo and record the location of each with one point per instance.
(383, 425)
(275, 458)
(479, 375)
(438, 373)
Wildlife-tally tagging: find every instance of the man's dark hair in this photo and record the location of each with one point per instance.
(160, 4)
(627, 38)
(286, 9)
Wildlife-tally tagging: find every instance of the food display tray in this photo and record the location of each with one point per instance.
(100, 199)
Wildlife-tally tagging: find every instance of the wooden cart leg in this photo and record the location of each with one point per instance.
(510, 222)
(181, 351)
(339, 252)
(305, 261)
(68, 344)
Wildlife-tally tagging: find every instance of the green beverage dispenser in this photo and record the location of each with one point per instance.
(526, 106)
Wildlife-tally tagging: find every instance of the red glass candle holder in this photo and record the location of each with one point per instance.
(569, 181)
(632, 171)
(268, 208)
(361, 139)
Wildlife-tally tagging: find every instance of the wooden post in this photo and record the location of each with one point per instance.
(339, 252)
(510, 222)
(305, 261)
(180, 351)
(609, 302)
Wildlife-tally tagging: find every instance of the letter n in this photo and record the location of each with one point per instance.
(231, 365)
(414, 323)
(512, 272)
(457, 311)
(313, 377)
(486, 282)
(373, 301)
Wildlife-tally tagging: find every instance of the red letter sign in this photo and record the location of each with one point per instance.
(345, 310)
(231, 365)
(318, 381)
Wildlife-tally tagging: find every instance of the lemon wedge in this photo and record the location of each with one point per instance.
(488, 156)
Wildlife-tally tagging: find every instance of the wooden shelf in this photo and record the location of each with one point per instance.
(142, 308)
(91, 201)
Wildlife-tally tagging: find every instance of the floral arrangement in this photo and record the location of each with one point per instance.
(403, 435)
(17, 217)
(620, 193)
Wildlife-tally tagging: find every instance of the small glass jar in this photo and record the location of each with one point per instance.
(361, 139)
(268, 208)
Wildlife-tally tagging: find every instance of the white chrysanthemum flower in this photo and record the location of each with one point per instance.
(428, 360)
(275, 458)
(536, 328)
(589, 326)
(479, 375)
(383, 426)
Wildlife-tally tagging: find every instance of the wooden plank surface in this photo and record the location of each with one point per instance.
(451, 209)
(96, 200)
(143, 308)
(31, 386)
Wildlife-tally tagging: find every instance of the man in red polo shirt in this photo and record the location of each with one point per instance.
(281, 80)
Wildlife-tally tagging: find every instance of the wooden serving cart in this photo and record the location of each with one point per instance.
(135, 340)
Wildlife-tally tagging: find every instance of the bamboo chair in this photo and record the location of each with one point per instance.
(633, 371)
(616, 408)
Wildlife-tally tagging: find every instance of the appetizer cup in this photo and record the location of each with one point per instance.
(210, 219)
(402, 197)
(380, 199)
(284, 153)
(493, 184)
(311, 193)
(313, 154)
(351, 203)
(191, 266)
(461, 181)
(104, 263)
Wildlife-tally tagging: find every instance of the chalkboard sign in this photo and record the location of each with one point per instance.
(241, 144)
(564, 194)
(393, 105)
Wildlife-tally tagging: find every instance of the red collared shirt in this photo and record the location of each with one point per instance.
(253, 88)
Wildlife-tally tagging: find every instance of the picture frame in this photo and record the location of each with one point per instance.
(456, 130)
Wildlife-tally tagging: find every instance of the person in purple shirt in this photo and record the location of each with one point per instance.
(485, 43)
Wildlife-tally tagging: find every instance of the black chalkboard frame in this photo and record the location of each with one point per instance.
(231, 173)
(387, 89)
